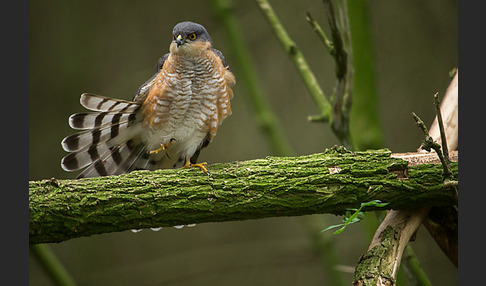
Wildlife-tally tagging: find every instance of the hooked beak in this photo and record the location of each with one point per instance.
(179, 41)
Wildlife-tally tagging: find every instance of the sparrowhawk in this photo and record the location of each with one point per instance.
(173, 115)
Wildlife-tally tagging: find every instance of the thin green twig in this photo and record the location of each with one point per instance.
(341, 105)
(443, 139)
(298, 59)
(51, 265)
(338, 48)
(337, 34)
(428, 143)
(413, 268)
(320, 33)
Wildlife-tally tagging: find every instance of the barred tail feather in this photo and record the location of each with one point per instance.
(83, 121)
(86, 139)
(118, 160)
(105, 104)
(78, 160)
(128, 157)
(110, 141)
(107, 158)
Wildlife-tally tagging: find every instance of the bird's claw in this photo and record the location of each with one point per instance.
(163, 147)
(199, 165)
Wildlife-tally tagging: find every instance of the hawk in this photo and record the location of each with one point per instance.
(172, 116)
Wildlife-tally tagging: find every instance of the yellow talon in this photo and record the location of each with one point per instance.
(163, 147)
(199, 165)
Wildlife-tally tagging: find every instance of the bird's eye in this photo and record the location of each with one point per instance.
(192, 37)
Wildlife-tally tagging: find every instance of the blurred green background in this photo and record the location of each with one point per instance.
(111, 48)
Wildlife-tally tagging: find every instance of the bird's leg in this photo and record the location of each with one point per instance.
(200, 165)
(163, 147)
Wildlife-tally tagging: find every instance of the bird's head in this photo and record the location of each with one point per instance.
(189, 37)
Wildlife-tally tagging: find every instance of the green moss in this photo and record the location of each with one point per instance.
(328, 182)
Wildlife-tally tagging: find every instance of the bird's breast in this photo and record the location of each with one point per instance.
(183, 104)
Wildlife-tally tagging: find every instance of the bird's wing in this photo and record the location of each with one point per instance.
(144, 89)
(221, 56)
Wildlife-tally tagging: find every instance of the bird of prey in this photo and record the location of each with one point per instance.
(172, 116)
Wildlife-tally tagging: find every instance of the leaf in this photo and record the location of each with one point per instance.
(340, 230)
(374, 203)
(352, 218)
(331, 227)
(357, 216)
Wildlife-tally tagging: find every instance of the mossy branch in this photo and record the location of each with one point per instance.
(329, 182)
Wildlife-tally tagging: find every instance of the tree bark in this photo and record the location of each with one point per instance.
(379, 266)
(329, 182)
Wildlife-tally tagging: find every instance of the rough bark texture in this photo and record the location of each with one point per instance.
(380, 264)
(328, 182)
